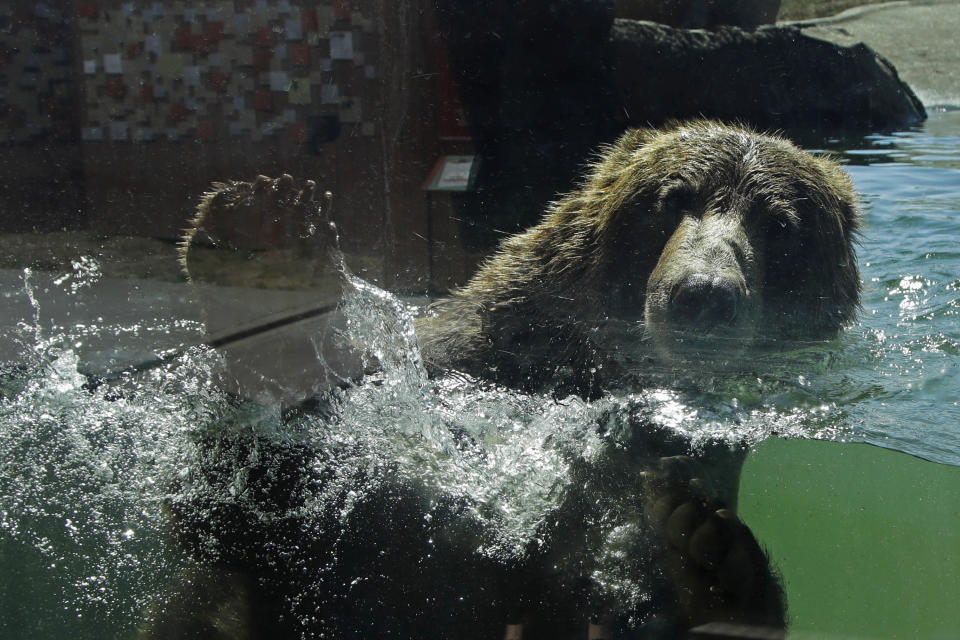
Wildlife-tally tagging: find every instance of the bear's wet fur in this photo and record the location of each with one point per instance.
(712, 240)
(697, 230)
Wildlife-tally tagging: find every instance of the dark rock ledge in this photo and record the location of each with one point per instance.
(773, 77)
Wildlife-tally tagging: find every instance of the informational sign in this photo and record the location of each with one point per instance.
(453, 173)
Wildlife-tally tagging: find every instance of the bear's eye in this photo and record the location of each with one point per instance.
(677, 199)
(776, 218)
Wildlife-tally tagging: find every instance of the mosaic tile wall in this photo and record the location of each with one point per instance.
(218, 70)
(38, 90)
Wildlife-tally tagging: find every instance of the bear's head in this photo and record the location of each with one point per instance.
(706, 239)
(725, 239)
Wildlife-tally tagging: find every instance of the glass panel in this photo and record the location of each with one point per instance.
(357, 318)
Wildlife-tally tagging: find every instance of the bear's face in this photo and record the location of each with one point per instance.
(734, 240)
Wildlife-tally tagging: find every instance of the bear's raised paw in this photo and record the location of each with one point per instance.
(263, 214)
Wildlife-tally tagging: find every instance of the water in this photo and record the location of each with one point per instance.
(87, 469)
(903, 395)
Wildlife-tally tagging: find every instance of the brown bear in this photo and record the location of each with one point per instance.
(715, 239)
(709, 242)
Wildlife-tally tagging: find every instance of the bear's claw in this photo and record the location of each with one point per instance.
(720, 572)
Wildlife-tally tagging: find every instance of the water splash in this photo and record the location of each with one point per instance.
(86, 273)
(86, 471)
(83, 467)
(32, 297)
(383, 327)
(509, 453)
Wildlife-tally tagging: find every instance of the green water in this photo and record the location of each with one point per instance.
(866, 539)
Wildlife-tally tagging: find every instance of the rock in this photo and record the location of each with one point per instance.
(775, 76)
(698, 14)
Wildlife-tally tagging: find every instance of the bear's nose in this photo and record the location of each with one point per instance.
(703, 302)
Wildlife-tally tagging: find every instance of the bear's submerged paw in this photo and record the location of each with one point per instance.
(203, 603)
(718, 569)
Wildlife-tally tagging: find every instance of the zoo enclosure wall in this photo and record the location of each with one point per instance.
(116, 116)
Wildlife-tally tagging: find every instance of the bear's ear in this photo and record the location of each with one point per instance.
(634, 139)
(615, 172)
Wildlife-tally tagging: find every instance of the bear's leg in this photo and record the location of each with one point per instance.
(718, 569)
(233, 517)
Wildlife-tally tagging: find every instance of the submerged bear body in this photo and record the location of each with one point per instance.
(707, 242)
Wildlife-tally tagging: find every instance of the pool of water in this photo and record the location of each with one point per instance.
(903, 393)
(87, 467)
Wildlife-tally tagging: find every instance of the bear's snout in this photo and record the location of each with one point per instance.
(704, 303)
(699, 301)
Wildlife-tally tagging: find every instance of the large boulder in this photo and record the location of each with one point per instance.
(699, 14)
(775, 76)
